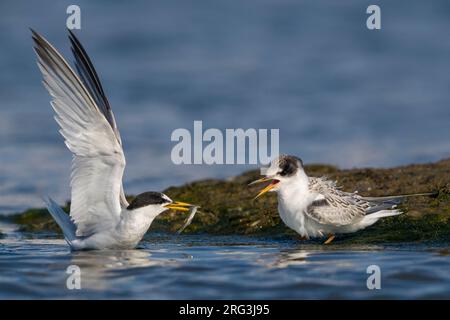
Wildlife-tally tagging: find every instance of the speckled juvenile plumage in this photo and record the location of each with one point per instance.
(315, 207)
(339, 207)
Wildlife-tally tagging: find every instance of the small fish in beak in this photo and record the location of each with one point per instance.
(270, 186)
(192, 212)
(184, 207)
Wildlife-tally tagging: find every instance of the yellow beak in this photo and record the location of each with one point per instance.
(179, 206)
(272, 185)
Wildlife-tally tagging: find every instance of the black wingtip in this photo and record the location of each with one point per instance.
(34, 34)
(71, 34)
(39, 41)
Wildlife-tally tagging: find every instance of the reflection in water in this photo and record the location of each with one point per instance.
(444, 251)
(98, 267)
(204, 267)
(303, 256)
(286, 259)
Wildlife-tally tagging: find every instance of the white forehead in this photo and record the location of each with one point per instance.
(274, 168)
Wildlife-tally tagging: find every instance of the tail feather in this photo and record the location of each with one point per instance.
(399, 197)
(370, 219)
(383, 206)
(62, 219)
(379, 206)
(383, 213)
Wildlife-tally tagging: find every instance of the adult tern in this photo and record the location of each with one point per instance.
(100, 216)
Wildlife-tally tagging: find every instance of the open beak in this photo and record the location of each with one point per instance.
(179, 206)
(269, 187)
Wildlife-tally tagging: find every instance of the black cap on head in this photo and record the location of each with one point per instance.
(289, 165)
(148, 198)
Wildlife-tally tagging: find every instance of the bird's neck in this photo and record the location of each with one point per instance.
(137, 221)
(295, 187)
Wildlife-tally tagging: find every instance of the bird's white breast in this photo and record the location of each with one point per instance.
(134, 225)
(292, 214)
(126, 235)
(293, 201)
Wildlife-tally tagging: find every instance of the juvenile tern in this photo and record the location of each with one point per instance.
(100, 216)
(316, 207)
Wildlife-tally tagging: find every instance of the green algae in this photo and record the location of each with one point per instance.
(227, 206)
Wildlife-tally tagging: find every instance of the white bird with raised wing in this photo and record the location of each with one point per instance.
(316, 207)
(100, 216)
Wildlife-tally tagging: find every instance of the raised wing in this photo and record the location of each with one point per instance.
(98, 161)
(91, 81)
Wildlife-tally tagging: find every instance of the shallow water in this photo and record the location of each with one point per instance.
(200, 267)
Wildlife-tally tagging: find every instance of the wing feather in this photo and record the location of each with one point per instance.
(98, 159)
(333, 206)
(336, 207)
(91, 80)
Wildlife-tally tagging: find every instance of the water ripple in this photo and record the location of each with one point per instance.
(197, 267)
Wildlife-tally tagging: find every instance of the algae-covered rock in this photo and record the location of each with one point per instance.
(227, 206)
(35, 220)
